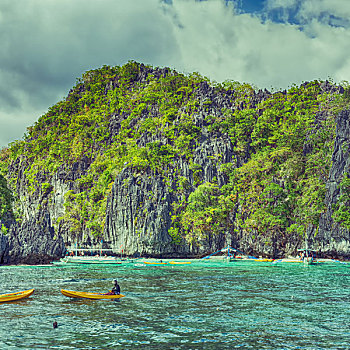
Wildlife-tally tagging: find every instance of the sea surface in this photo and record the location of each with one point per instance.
(204, 305)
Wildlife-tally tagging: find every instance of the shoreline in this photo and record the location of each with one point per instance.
(221, 258)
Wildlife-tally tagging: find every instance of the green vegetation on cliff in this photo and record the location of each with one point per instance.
(342, 208)
(145, 119)
(5, 203)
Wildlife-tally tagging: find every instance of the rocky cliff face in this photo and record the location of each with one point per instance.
(142, 201)
(33, 239)
(137, 219)
(332, 239)
(3, 247)
(34, 242)
(140, 206)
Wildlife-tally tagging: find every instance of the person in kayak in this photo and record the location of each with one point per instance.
(115, 290)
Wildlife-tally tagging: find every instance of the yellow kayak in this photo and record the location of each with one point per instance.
(264, 260)
(180, 262)
(16, 296)
(154, 263)
(73, 294)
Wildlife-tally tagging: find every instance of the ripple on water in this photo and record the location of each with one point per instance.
(198, 306)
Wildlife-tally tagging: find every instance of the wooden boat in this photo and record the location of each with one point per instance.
(84, 295)
(307, 256)
(230, 258)
(93, 256)
(16, 296)
(287, 260)
(230, 255)
(91, 260)
(309, 260)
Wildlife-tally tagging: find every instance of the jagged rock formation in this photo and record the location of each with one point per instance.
(130, 163)
(332, 239)
(34, 242)
(139, 208)
(137, 219)
(138, 216)
(3, 247)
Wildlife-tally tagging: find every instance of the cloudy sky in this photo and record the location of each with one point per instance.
(47, 44)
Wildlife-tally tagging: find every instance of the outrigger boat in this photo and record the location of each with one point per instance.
(91, 260)
(84, 295)
(230, 256)
(307, 255)
(16, 296)
(92, 256)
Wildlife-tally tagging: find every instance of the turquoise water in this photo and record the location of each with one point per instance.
(238, 305)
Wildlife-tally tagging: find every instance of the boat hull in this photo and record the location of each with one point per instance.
(90, 260)
(84, 295)
(308, 261)
(16, 296)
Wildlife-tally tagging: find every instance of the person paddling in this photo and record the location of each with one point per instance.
(115, 290)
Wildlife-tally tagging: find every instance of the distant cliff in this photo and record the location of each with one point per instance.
(156, 163)
(333, 236)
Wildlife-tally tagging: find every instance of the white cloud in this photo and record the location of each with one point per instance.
(46, 45)
(278, 4)
(323, 9)
(343, 73)
(331, 12)
(221, 44)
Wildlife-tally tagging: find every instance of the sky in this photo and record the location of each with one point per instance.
(47, 44)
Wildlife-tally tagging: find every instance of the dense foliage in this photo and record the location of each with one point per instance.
(5, 202)
(342, 208)
(284, 140)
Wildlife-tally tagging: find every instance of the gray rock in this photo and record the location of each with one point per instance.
(141, 203)
(34, 242)
(3, 247)
(332, 239)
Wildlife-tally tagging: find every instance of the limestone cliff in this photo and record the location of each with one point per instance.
(332, 238)
(3, 247)
(34, 242)
(151, 162)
